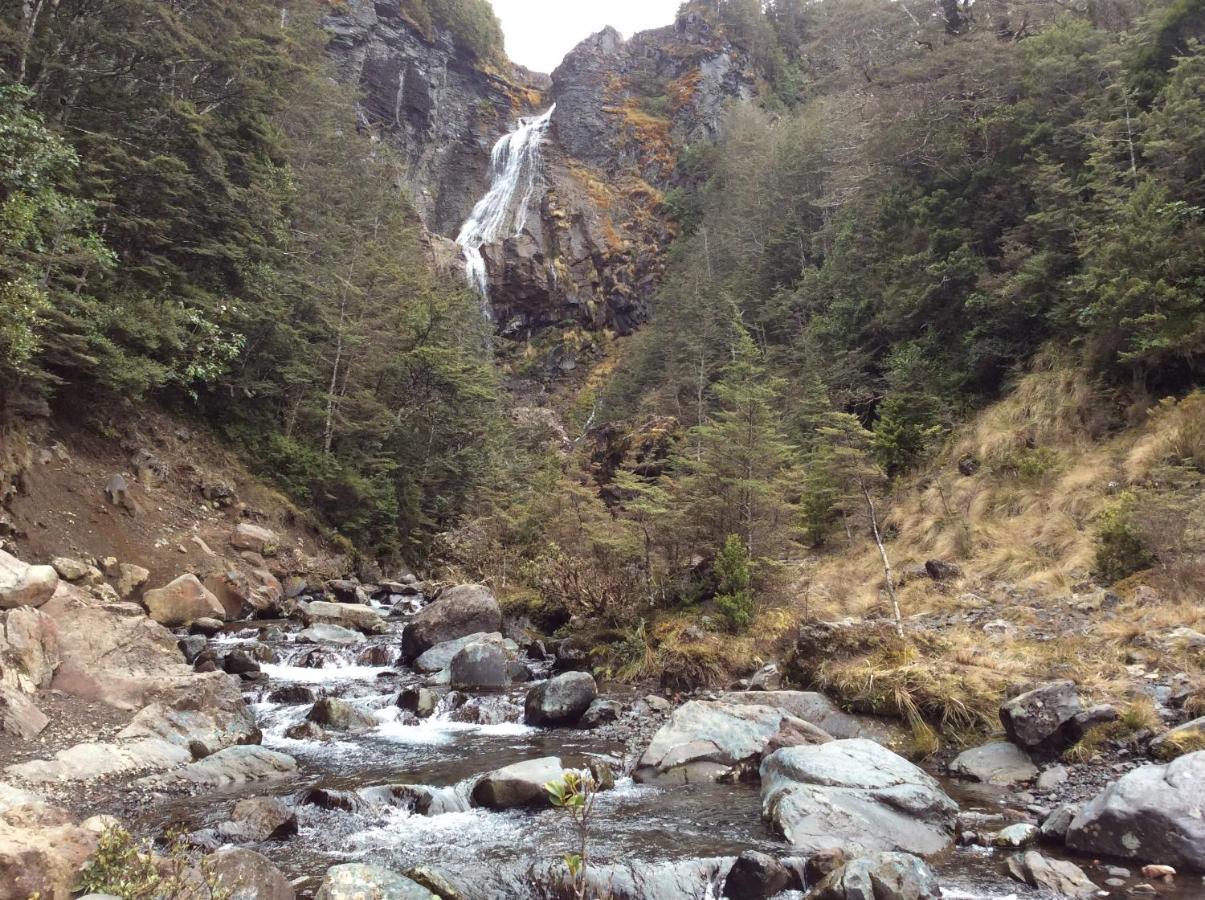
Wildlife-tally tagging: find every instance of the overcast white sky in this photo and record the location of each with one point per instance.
(540, 32)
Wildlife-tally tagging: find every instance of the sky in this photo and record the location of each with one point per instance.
(540, 32)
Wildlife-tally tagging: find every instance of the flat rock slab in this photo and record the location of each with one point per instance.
(234, 765)
(355, 881)
(822, 712)
(996, 763)
(858, 796)
(84, 762)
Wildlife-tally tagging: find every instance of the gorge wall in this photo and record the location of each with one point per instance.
(593, 241)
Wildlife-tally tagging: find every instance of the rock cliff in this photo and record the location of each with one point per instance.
(592, 244)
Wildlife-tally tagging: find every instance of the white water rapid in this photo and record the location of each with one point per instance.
(515, 163)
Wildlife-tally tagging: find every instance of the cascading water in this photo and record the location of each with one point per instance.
(515, 163)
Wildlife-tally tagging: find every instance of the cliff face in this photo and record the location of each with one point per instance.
(592, 246)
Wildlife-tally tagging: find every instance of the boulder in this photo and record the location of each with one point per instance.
(709, 740)
(245, 875)
(346, 591)
(440, 656)
(70, 569)
(767, 678)
(1016, 836)
(996, 763)
(1058, 876)
(240, 662)
(1054, 826)
(182, 602)
(25, 585)
(459, 611)
(29, 649)
(756, 876)
(354, 881)
(349, 615)
(292, 695)
(229, 767)
(561, 700)
(207, 626)
(601, 712)
(260, 819)
(521, 784)
(323, 633)
(480, 666)
(255, 538)
(940, 570)
(237, 594)
(822, 712)
(1154, 813)
(1043, 718)
(420, 701)
(19, 716)
(880, 876)
(84, 762)
(131, 580)
(855, 795)
(41, 853)
(340, 715)
(205, 713)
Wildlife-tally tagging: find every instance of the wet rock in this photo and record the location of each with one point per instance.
(324, 633)
(710, 741)
(823, 863)
(192, 647)
(601, 712)
(521, 784)
(260, 819)
(19, 717)
(292, 695)
(487, 711)
(562, 700)
(255, 538)
(29, 649)
(348, 615)
(340, 715)
(480, 666)
(1154, 812)
(326, 798)
(857, 795)
(881, 876)
(207, 626)
(41, 853)
(767, 678)
(239, 662)
(345, 591)
(819, 710)
(434, 882)
(996, 763)
(377, 657)
(1060, 877)
(756, 876)
(245, 875)
(440, 656)
(459, 611)
(24, 585)
(418, 700)
(355, 881)
(1042, 719)
(305, 731)
(1017, 836)
(182, 602)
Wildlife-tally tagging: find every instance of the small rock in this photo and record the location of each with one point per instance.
(1043, 717)
(130, 580)
(245, 875)
(1051, 778)
(996, 763)
(354, 881)
(70, 569)
(255, 538)
(260, 819)
(1062, 878)
(601, 712)
(24, 585)
(880, 876)
(1157, 871)
(418, 700)
(340, 715)
(767, 678)
(1018, 836)
(207, 626)
(756, 876)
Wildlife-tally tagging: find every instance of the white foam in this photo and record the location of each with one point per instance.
(336, 673)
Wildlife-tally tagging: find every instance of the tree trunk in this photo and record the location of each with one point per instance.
(878, 539)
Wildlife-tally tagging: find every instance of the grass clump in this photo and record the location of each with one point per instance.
(1179, 744)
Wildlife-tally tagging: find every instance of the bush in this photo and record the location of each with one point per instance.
(735, 597)
(1120, 548)
(123, 867)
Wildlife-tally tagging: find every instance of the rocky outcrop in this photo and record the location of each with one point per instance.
(182, 602)
(29, 649)
(710, 741)
(1152, 814)
(19, 716)
(459, 611)
(823, 713)
(858, 796)
(561, 700)
(41, 853)
(226, 768)
(255, 538)
(25, 585)
(521, 784)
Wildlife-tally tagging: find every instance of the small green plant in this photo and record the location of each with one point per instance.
(575, 793)
(734, 598)
(124, 867)
(1120, 548)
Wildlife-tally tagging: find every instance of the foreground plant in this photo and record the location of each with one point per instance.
(575, 793)
(128, 868)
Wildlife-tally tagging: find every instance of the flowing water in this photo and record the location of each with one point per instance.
(660, 843)
(502, 212)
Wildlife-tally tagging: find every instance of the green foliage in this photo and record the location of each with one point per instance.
(1120, 548)
(734, 597)
(903, 431)
(472, 24)
(575, 794)
(122, 867)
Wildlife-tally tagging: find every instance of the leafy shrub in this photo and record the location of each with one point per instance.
(124, 867)
(472, 23)
(735, 597)
(1120, 547)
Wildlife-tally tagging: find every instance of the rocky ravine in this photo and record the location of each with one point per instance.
(592, 247)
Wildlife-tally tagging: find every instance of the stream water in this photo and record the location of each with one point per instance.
(659, 837)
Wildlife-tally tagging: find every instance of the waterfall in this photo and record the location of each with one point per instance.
(515, 164)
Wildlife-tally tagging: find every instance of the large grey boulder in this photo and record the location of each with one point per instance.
(561, 700)
(182, 602)
(245, 875)
(521, 784)
(855, 795)
(1044, 718)
(709, 740)
(440, 656)
(996, 763)
(480, 666)
(880, 876)
(330, 712)
(355, 881)
(347, 615)
(1060, 877)
(1152, 814)
(459, 611)
(25, 585)
(822, 712)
